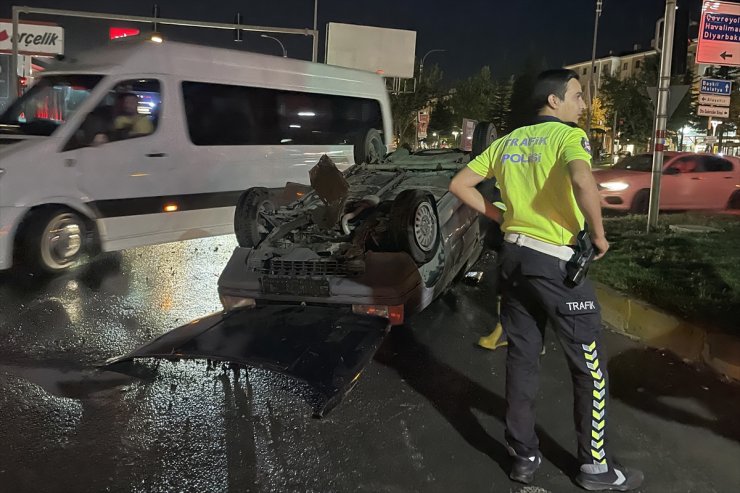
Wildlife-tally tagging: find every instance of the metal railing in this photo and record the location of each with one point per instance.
(18, 10)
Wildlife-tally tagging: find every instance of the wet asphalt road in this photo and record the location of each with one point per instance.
(425, 416)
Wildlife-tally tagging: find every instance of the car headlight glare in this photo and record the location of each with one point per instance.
(614, 186)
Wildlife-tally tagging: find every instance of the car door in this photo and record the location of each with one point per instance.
(123, 164)
(676, 182)
(707, 185)
(710, 184)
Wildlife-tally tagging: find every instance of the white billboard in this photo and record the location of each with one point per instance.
(33, 38)
(388, 52)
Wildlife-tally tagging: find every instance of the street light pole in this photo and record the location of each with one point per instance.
(285, 53)
(661, 112)
(421, 64)
(592, 77)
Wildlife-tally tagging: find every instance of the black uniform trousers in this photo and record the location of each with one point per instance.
(534, 292)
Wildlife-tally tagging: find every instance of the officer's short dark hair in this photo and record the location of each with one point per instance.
(551, 82)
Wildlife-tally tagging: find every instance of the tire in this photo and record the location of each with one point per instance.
(483, 136)
(53, 240)
(414, 225)
(734, 202)
(369, 148)
(249, 225)
(641, 202)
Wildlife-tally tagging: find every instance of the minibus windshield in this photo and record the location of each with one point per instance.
(48, 104)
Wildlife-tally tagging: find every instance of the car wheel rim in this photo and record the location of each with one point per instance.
(425, 226)
(61, 242)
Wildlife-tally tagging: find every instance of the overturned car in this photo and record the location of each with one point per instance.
(315, 284)
(383, 239)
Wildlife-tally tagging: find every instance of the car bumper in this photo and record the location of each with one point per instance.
(619, 201)
(390, 279)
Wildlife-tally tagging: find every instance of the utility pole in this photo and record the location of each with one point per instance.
(592, 77)
(315, 52)
(661, 112)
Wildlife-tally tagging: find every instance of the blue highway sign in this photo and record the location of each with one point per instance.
(715, 86)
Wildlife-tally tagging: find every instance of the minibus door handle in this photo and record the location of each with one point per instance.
(157, 154)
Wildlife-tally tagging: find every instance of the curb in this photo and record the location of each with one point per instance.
(659, 329)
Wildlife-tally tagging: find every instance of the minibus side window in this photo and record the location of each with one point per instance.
(129, 110)
(220, 114)
(322, 119)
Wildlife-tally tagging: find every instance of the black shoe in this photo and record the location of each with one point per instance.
(615, 478)
(523, 468)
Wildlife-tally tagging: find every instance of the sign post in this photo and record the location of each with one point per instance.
(661, 112)
(714, 100)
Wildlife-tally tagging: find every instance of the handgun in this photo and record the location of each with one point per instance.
(577, 267)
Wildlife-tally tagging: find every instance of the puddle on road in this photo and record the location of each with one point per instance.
(71, 383)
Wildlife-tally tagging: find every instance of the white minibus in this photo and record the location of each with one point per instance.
(143, 143)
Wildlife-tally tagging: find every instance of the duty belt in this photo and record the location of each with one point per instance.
(561, 252)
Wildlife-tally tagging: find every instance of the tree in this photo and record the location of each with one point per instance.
(500, 111)
(443, 118)
(521, 111)
(599, 124)
(628, 100)
(521, 106)
(405, 106)
(473, 97)
(598, 116)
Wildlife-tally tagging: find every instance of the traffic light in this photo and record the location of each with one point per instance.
(680, 39)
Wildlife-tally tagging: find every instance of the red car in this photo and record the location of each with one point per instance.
(690, 181)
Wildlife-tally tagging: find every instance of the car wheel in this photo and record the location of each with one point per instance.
(483, 136)
(734, 202)
(641, 202)
(53, 240)
(250, 225)
(369, 148)
(414, 225)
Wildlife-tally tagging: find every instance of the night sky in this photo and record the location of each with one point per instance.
(505, 35)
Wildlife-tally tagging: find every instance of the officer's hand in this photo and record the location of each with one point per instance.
(601, 246)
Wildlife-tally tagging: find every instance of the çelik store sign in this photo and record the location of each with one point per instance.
(34, 38)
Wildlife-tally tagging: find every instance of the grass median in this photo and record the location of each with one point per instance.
(694, 275)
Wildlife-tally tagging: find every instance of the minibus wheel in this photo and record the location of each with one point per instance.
(250, 225)
(370, 148)
(53, 240)
(483, 136)
(414, 225)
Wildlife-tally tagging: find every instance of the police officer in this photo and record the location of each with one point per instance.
(544, 172)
